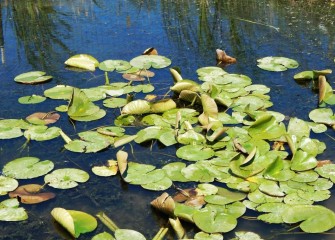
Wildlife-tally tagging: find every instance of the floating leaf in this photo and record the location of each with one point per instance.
(66, 178)
(27, 168)
(7, 184)
(322, 115)
(147, 61)
(75, 222)
(224, 196)
(213, 222)
(303, 161)
(10, 211)
(242, 235)
(80, 105)
(126, 234)
(173, 171)
(41, 133)
(31, 194)
(164, 203)
(106, 171)
(83, 61)
(43, 118)
(115, 102)
(276, 64)
(33, 99)
(32, 77)
(194, 152)
(111, 65)
(59, 92)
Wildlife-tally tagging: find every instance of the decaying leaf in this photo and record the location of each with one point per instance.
(150, 51)
(190, 197)
(323, 162)
(223, 59)
(31, 194)
(164, 203)
(122, 161)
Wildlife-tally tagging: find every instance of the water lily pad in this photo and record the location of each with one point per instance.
(83, 61)
(208, 236)
(110, 169)
(33, 99)
(160, 185)
(10, 132)
(43, 118)
(276, 64)
(266, 127)
(143, 175)
(90, 141)
(194, 152)
(173, 171)
(111, 131)
(66, 178)
(41, 133)
(303, 161)
(7, 184)
(111, 65)
(163, 134)
(27, 168)
(147, 61)
(209, 74)
(242, 235)
(115, 102)
(10, 211)
(126, 234)
(213, 222)
(103, 236)
(224, 196)
(75, 222)
(59, 92)
(32, 77)
(323, 115)
(327, 171)
(80, 105)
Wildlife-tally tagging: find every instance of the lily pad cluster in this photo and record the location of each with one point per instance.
(241, 154)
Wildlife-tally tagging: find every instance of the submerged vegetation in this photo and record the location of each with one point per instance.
(241, 155)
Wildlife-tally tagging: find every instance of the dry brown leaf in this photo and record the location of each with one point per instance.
(323, 162)
(30, 194)
(150, 51)
(223, 59)
(322, 88)
(121, 157)
(164, 203)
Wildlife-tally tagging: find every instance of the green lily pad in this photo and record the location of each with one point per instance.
(80, 105)
(10, 132)
(266, 127)
(197, 173)
(242, 235)
(59, 92)
(89, 142)
(32, 77)
(194, 152)
(213, 222)
(277, 64)
(7, 184)
(110, 169)
(163, 134)
(140, 174)
(208, 236)
(111, 65)
(75, 222)
(148, 61)
(323, 115)
(224, 196)
(126, 234)
(83, 61)
(209, 74)
(33, 99)
(103, 236)
(27, 168)
(112, 131)
(327, 171)
(115, 102)
(66, 178)
(41, 133)
(160, 185)
(303, 161)
(173, 171)
(315, 219)
(10, 211)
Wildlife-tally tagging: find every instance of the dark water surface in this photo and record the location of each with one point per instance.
(42, 34)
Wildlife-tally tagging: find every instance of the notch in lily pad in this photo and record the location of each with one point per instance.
(66, 178)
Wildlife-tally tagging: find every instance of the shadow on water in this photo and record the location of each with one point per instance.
(41, 35)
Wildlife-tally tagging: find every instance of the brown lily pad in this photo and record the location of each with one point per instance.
(150, 51)
(190, 197)
(31, 194)
(164, 203)
(223, 59)
(43, 118)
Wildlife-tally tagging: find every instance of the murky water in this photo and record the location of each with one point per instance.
(42, 34)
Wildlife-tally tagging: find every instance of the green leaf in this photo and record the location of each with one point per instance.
(27, 168)
(33, 99)
(66, 178)
(148, 61)
(7, 184)
(224, 197)
(32, 77)
(194, 152)
(111, 65)
(276, 64)
(83, 61)
(10, 212)
(90, 141)
(126, 234)
(322, 115)
(59, 92)
(303, 161)
(41, 133)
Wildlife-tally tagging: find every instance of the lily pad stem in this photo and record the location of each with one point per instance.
(107, 221)
(160, 234)
(106, 78)
(65, 137)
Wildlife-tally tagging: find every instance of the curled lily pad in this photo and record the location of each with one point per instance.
(75, 222)
(136, 107)
(27, 168)
(147, 61)
(10, 211)
(83, 61)
(32, 77)
(7, 184)
(105, 171)
(33, 99)
(31, 194)
(66, 178)
(276, 64)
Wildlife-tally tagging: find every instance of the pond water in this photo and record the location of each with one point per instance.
(41, 35)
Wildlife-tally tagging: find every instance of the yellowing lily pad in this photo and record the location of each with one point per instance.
(10, 211)
(83, 61)
(32, 77)
(7, 184)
